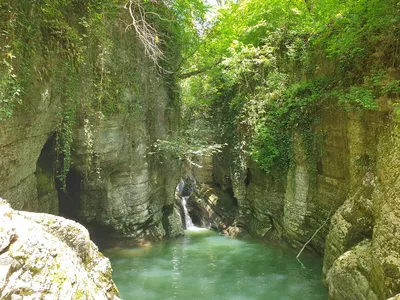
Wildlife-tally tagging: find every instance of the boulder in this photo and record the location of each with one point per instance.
(47, 257)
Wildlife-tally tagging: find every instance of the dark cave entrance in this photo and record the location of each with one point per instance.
(45, 180)
(69, 199)
(51, 197)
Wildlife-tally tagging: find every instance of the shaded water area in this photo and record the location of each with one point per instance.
(207, 265)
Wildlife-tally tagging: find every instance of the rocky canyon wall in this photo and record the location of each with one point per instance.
(345, 192)
(91, 98)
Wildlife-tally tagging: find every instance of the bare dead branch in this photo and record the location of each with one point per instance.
(146, 32)
(315, 233)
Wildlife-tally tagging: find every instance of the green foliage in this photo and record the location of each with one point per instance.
(363, 32)
(10, 87)
(392, 88)
(261, 76)
(181, 149)
(10, 90)
(66, 121)
(195, 139)
(64, 139)
(186, 18)
(86, 51)
(264, 148)
(293, 110)
(32, 33)
(359, 96)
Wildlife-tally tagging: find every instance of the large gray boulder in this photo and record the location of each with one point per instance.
(47, 257)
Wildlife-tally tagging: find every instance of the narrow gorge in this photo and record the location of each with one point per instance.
(276, 123)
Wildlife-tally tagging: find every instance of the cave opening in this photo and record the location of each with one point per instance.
(69, 198)
(47, 198)
(52, 198)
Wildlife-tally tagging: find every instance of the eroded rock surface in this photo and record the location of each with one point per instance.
(116, 181)
(344, 188)
(362, 257)
(47, 257)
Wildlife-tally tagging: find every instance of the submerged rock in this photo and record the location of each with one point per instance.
(47, 257)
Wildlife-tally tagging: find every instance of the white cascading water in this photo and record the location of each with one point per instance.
(188, 219)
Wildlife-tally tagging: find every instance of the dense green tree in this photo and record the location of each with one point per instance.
(257, 67)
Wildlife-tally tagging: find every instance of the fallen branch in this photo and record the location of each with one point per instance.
(315, 233)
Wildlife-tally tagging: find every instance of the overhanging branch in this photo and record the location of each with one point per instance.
(199, 71)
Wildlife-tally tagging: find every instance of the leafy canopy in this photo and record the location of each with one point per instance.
(265, 67)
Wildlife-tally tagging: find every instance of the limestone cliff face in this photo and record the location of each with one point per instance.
(362, 247)
(47, 257)
(351, 197)
(113, 103)
(295, 204)
(22, 139)
(132, 191)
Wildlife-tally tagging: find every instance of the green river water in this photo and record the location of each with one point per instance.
(206, 265)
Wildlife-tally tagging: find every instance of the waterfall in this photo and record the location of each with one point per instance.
(188, 219)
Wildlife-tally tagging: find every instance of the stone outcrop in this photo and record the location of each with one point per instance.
(209, 205)
(47, 257)
(213, 208)
(22, 139)
(114, 185)
(362, 247)
(295, 204)
(128, 190)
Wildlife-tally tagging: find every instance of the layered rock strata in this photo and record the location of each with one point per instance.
(347, 197)
(102, 110)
